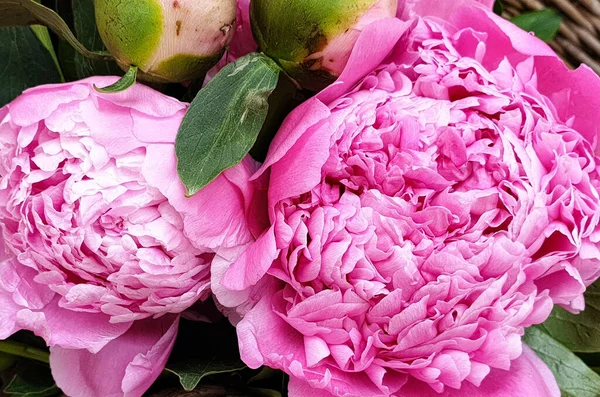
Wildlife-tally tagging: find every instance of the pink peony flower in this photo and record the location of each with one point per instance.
(425, 209)
(102, 251)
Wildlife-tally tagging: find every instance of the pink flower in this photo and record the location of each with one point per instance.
(425, 209)
(102, 251)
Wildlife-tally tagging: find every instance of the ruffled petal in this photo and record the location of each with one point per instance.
(528, 376)
(126, 367)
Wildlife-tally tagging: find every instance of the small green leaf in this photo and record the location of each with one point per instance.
(578, 332)
(544, 23)
(224, 120)
(122, 84)
(29, 12)
(32, 380)
(574, 378)
(204, 349)
(190, 373)
(24, 63)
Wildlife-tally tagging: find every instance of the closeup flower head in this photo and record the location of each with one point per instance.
(101, 249)
(425, 209)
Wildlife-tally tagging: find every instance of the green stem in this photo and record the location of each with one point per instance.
(21, 350)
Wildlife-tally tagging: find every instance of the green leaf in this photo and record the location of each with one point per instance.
(75, 65)
(192, 372)
(202, 350)
(32, 380)
(578, 332)
(29, 12)
(544, 23)
(122, 84)
(224, 120)
(24, 63)
(574, 378)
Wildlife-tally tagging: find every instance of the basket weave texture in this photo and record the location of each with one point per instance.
(578, 40)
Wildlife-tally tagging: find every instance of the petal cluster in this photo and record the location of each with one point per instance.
(77, 210)
(101, 250)
(423, 213)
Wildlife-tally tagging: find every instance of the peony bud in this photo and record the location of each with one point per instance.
(168, 40)
(312, 39)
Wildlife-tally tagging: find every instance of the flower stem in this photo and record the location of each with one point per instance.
(21, 350)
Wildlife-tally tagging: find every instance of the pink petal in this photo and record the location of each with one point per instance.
(143, 99)
(528, 377)
(252, 265)
(375, 43)
(300, 169)
(8, 314)
(209, 220)
(522, 41)
(126, 367)
(70, 329)
(305, 116)
(487, 3)
(218, 268)
(145, 367)
(439, 9)
(300, 388)
(26, 304)
(573, 93)
(263, 332)
(316, 350)
(40, 102)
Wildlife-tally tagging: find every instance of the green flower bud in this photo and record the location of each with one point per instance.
(312, 39)
(168, 40)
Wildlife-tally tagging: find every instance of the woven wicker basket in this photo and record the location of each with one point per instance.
(578, 40)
